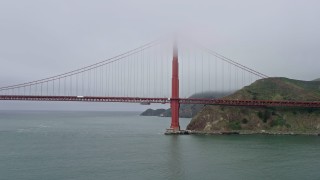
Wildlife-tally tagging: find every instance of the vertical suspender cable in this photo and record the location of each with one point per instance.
(216, 74)
(201, 72)
(195, 72)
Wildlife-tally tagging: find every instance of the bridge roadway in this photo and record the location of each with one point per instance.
(224, 102)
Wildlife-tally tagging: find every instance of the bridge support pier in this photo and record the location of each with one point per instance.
(174, 101)
(175, 116)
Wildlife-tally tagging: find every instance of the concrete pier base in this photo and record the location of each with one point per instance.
(171, 131)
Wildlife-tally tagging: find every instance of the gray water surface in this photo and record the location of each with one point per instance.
(122, 145)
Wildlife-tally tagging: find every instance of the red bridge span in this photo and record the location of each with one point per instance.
(143, 75)
(225, 102)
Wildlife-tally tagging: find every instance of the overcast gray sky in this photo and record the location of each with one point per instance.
(42, 38)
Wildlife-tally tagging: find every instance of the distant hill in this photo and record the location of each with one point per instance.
(151, 112)
(252, 119)
(190, 110)
(317, 79)
(186, 110)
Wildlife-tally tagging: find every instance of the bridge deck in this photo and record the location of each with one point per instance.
(225, 102)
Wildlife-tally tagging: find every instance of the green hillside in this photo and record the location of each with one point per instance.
(274, 120)
(280, 89)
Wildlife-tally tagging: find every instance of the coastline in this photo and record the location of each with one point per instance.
(253, 133)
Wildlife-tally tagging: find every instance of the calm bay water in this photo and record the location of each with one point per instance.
(122, 145)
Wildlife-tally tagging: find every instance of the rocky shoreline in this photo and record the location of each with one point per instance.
(191, 132)
(253, 133)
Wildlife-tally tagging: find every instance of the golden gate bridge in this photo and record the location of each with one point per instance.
(156, 72)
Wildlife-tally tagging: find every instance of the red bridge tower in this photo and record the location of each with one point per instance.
(174, 101)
